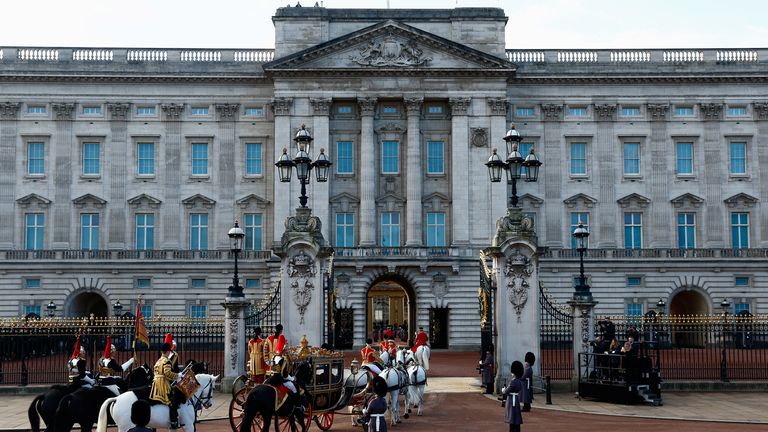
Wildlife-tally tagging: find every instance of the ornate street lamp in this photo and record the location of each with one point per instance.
(117, 307)
(236, 236)
(661, 305)
(303, 164)
(514, 164)
(51, 309)
(581, 234)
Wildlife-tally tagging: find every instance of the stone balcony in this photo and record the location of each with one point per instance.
(655, 254)
(132, 255)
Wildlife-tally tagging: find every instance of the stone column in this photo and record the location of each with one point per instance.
(516, 274)
(605, 144)
(226, 175)
(119, 152)
(235, 340)
(461, 181)
(304, 257)
(499, 193)
(413, 174)
(283, 139)
(659, 146)
(713, 172)
(171, 208)
(9, 112)
(553, 156)
(368, 171)
(320, 198)
(62, 199)
(761, 172)
(583, 313)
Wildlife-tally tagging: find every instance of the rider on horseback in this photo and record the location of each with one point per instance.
(78, 376)
(162, 391)
(422, 338)
(280, 365)
(173, 357)
(370, 359)
(109, 368)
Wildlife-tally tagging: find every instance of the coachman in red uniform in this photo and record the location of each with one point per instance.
(421, 339)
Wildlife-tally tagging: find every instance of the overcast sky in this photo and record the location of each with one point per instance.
(247, 23)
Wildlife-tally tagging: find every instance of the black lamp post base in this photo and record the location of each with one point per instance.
(235, 292)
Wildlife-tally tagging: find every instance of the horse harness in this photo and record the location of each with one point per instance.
(199, 402)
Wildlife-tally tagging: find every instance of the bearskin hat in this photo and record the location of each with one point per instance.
(530, 358)
(517, 369)
(379, 386)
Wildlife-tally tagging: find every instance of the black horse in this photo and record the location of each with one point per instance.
(44, 406)
(261, 401)
(82, 406)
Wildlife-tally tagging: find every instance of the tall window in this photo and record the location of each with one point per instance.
(436, 229)
(435, 157)
(524, 148)
(253, 159)
(740, 307)
(32, 309)
(577, 217)
(145, 154)
(631, 158)
(33, 230)
(686, 230)
(198, 231)
(390, 157)
(345, 229)
(145, 231)
(740, 230)
(633, 230)
(390, 229)
(146, 310)
(634, 309)
(254, 231)
(684, 158)
(344, 163)
(91, 158)
(578, 158)
(35, 158)
(738, 158)
(89, 231)
(199, 158)
(198, 311)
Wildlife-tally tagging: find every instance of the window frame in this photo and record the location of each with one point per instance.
(634, 277)
(348, 229)
(28, 158)
(91, 230)
(98, 110)
(258, 161)
(199, 236)
(249, 242)
(384, 158)
(430, 158)
(571, 173)
(137, 285)
(740, 227)
(28, 285)
(692, 144)
(634, 227)
(436, 230)
(731, 143)
(342, 157)
(261, 112)
(192, 280)
(208, 154)
(392, 228)
(731, 111)
(625, 173)
(570, 111)
(194, 108)
(145, 227)
(688, 227)
(37, 229)
(525, 111)
(32, 106)
(146, 115)
(686, 107)
(138, 159)
(86, 142)
(575, 223)
(636, 111)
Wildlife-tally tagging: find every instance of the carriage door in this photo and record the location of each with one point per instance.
(438, 328)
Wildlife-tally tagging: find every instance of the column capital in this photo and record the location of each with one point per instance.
(711, 111)
(9, 110)
(118, 110)
(761, 110)
(413, 105)
(460, 105)
(658, 111)
(63, 110)
(321, 106)
(552, 112)
(498, 106)
(281, 106)
(172, 111)
(227, 111)
(605, 112)
(367, 105)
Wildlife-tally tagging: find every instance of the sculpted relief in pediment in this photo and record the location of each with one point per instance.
(390, 51)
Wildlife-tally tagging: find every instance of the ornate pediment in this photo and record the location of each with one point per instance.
(33, 199)
(388, 46)
(687, 200)
(198, 201)
(633, 200)
(580, 201)
(144, 200)
(252, 200)
(435, 201)
(741, 200)
(528, 200)
(88, 199)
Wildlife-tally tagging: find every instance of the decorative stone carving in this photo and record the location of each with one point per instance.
(234, 315)
(658, 111)
(172, 111)
(741, 200)
(301, 268)
(198, 201)
(711, 111)
(552, 112)
(301, 224)
(761, 110)
(392, 128)
(33, 199)
(63, 110)
(460, 106)
(367, 106)
(320, 106)
(439, 288)
(413, 105)
(119, 111)
(498, 106)
(390, 51)
(9, 110)
(281, 105)
(343, 290)
(228, 111)
(478, 137)
(514, 225)
(518, 269)
(605, 112)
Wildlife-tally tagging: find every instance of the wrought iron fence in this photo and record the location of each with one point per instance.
(265, 314)
(556, 330)
(702, 347)
(36, 351)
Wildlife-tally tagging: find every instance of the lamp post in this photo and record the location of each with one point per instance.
(726, 306)
(236, 236)
(514, 164)
(51, 309)
(117, 307)
(581, 234)
(303, 164)
(660, 305)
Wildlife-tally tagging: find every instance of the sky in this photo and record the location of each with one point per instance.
(542, 24)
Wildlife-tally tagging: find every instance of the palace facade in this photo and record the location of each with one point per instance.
(123, 169)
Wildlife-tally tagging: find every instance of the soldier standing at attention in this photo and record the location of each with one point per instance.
(530, 359)
(513, 393)
(272, 343)
(256, 365)
(162, 391)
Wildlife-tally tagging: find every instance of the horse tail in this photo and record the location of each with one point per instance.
(33, 413)
(101, 426)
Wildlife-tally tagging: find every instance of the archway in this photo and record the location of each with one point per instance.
(390, 303)
(86, 303)
(688, 302)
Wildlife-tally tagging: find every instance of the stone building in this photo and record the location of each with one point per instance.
(123, 169)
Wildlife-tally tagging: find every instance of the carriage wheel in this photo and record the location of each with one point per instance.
(238, 384)
(285, 422)
(324, 421)
(236, 413)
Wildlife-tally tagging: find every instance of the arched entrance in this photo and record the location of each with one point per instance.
(86, 303)
(688, 302)
(390, 303)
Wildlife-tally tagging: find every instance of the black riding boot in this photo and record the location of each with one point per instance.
(173, 413)
(298, 407)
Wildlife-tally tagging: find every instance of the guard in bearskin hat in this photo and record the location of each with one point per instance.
(373, 414)
(530, 359)
(513, 394)
(78, 376)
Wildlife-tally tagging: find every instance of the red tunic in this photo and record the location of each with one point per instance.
(368, 354)
(421, 339)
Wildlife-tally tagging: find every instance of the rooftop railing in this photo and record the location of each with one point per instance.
(134, 55)
(673, 56)
(130, 255)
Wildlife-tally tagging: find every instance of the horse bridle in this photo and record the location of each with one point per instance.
(199, 402)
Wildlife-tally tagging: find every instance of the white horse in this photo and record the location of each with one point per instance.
(120, 408)
(422, 356)
(417, 381)
(396, 380)
(385, 360)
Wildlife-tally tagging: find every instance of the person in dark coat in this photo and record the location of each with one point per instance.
(513, 393)
(488, 372)
(530, 359)
(141, 413)
(373, 414)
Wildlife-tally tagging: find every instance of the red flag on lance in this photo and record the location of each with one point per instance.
(140, 333)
